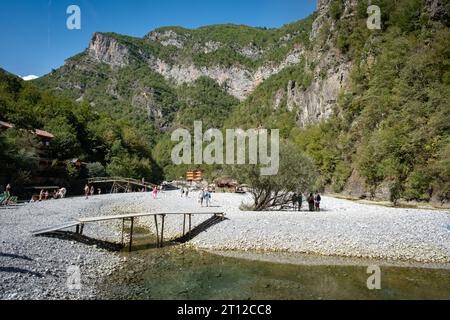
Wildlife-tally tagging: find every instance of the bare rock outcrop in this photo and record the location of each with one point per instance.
(356, 186)
(316, 102)
(109, 50)
(237, 80)
(167, 38)
(438, 10)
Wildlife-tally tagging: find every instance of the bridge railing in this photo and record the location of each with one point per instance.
(121, 180)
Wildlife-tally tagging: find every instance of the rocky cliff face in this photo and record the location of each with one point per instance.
(317, 101)
(171, 53)
(238, 80)
(108, 50)
(311, 104)
(330, 76)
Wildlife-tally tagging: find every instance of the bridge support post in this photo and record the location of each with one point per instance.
(190, 225)
(123, 229)
(162, 231)
(184, 225)
(131, 234)
(157, 231)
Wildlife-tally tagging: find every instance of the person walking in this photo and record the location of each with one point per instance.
(317, 201)
(92, 191)
(86, 191)
(155, 192)
(187, 192)
(294, 201)
(311, 202)
(208, 198)
(299, 202)
(201, 197)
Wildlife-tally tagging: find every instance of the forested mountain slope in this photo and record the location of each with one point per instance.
(371, 107)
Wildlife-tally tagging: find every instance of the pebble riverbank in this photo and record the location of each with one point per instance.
(36, 267)
(344, 228)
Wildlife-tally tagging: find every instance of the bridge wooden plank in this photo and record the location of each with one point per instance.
(137, 215)
(81, 221)
(63, 226)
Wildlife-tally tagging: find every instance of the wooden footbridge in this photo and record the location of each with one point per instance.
(120, 184)
(79, 224)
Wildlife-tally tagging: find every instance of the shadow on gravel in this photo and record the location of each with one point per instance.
(14, 256)
(148, 242)
(19, 270)
(72, 236)
(199, 229)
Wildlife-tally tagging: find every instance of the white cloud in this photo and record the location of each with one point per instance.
(30, 77)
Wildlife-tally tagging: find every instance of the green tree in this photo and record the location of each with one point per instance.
(95, 169)
(296, 174)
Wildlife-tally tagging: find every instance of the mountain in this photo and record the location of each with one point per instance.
(145, 73)
(369, 106)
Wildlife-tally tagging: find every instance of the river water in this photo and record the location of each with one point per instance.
(179, 272)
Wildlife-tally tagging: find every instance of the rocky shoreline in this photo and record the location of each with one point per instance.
(37, 267)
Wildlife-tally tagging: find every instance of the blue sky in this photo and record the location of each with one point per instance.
(35, 39)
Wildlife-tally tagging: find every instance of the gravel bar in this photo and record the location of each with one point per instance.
(37, 267)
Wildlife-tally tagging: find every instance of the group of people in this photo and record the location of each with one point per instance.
(205, 197)
(45, 195)
(90, 191)
(5, 196)
(313, 201)
(55, 194)
(185, 192)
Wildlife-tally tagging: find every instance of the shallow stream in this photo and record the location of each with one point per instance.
(180, 272)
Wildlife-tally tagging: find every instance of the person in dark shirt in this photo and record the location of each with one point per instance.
(317, 201)
(311, 202)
